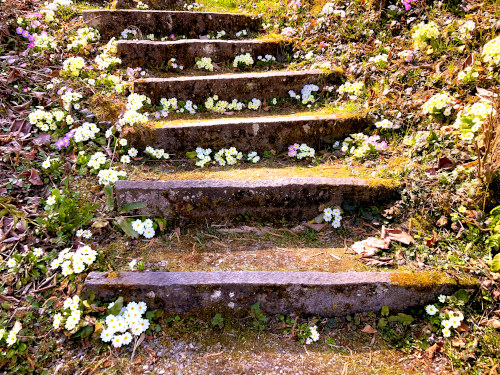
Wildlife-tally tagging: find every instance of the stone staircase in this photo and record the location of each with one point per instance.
(272, 194)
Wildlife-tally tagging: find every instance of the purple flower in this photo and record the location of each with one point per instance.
(32, 38)
(60, 143)
(292, 153)
(36, 23)
(407, 5)
(172, 36)
(60, 92)
(19, 30)
(31, 45)
(164, 112)
(26, 89)
(26, 34)
(157, 115)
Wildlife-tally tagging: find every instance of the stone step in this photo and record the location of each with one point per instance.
(318, 293)
(152, 4)
(111, 23)
(241, 86)
(145, 53)
(292, 199)
(248, 134)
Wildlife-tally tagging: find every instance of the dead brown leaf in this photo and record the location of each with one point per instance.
(369, 329)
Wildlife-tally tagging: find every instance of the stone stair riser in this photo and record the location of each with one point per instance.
(292, 199)
(318, 293)
(251, 134)
(243, 86)
(154, 54)
(111, 23)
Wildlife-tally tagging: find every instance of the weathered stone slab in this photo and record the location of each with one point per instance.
(248, 134)
(242, 86)
(319, 293)
(152, 4)
(111, 23)
(294, 199)
(148, 53)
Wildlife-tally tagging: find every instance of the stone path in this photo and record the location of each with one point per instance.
(295, 198)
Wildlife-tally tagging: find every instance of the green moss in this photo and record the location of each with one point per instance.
(430, 280)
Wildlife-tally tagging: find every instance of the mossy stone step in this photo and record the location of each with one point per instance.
(318, 293)
(241, 86)
(248, 134)
(146, 53)
(211, 201)
(111, 23)
(152, 4)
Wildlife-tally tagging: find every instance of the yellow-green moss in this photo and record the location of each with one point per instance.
(429, 279)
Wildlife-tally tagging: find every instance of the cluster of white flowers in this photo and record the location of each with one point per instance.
(73, 66)
(192, 6)
(97, 160)
(12, 335)
(205, 63)
(128, 34)
(69, 98)
(386, 124)
(253, 157)
(107, 59)
(142, 6)
(301, 151)
(465, 29)
(254, 104)
(242, 61)
(45, 120)
(450, 318)
(110, 176)
(313, 335)
(471, 119)
(116, 328)
(74, 262)
(45, 42)
(221, 106)
(158, 153)
(137, 101)
(423, 33)
(241, 33)
(328, 8)
(307, 93)
(49, 9)
(333, 215)
(87, 234)
(491, 52)
(361, 145)
(379, 60)
(85, 132)
(203, 156)
(134, 103)
(71, 314)
(229, 156)
(84, 36)
(355, 89)
(468, 75)
(220, 34)
(266, 58)
(144, 228)
(171, 103)
(439, 105)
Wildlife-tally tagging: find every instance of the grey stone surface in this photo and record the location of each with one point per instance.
(146, 53)
(249, 134)
(241, 86)
(292, 199)
(320, 293)
(111, 23)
